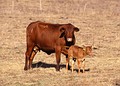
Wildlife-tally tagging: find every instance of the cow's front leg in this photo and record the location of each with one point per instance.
(67, 61)
(58, 58)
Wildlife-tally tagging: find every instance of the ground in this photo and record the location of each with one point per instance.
(99, 23)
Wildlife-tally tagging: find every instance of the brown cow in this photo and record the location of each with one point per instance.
(78, 53)
(49, 38)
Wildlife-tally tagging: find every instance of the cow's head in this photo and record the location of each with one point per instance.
(67, 31)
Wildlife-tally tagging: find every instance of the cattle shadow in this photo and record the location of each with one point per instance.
(86, 70)
(46, 65)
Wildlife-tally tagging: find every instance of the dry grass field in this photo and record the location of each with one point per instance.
(99, 23)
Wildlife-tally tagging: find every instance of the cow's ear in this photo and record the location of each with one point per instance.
(76, 29)
(62, 34)
(62, 30)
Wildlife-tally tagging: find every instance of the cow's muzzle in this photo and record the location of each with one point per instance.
(69, 39)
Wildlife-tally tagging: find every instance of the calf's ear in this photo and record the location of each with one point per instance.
(76, 29)
(62, 30)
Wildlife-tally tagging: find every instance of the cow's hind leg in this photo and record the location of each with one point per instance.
(28, 56)
(35, 50)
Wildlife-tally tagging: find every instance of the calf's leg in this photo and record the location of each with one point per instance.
(83, 65)
(78, 61)
(72, 65)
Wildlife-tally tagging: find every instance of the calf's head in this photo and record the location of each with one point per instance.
(88, 50)
(67, 31)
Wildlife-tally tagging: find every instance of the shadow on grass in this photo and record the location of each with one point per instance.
(117, 82)
(46, 65)
(86, 70)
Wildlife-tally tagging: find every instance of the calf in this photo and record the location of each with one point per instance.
(78, 53)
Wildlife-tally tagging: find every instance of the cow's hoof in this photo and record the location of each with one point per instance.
(57, 69)
(25, 68)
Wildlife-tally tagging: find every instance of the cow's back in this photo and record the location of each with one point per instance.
(44, 35)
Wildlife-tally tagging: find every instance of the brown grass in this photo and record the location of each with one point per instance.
(99, 23)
